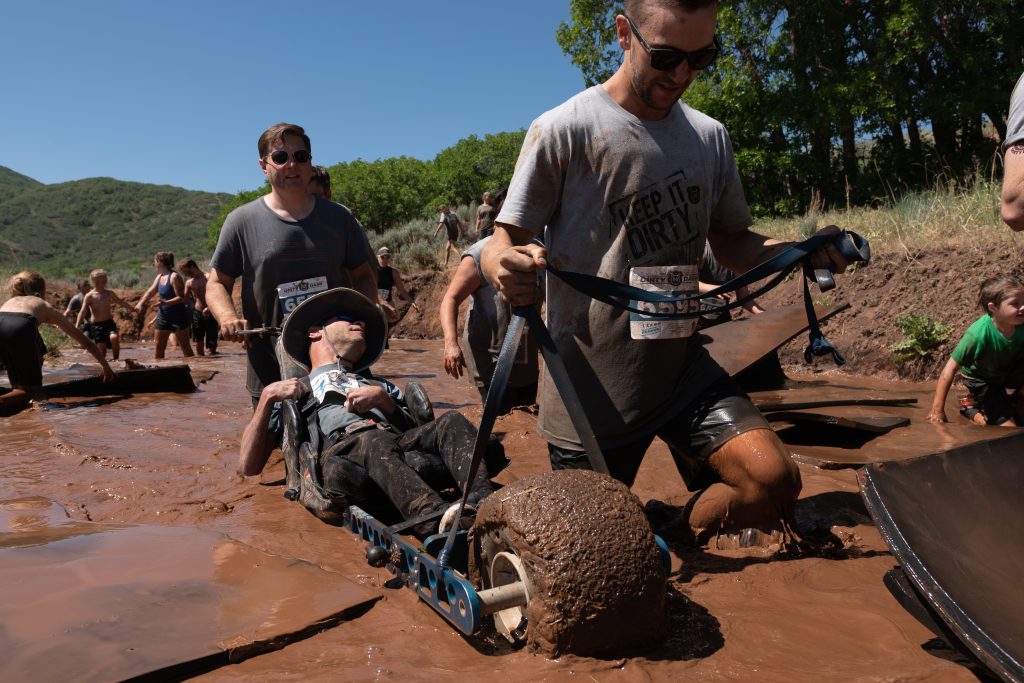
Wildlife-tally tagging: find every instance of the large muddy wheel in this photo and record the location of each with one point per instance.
(580, 544)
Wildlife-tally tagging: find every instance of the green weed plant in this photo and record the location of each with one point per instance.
(922, 335)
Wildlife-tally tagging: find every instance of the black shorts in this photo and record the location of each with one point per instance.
(172, 318)
(21, 349)
(100, 332)
(991, 399)
(721, 412)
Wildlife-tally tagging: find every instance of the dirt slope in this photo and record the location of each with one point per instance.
(940, 282)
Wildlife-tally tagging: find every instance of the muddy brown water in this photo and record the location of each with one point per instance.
(168, 459)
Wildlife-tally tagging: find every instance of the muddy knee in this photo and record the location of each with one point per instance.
(758, 466)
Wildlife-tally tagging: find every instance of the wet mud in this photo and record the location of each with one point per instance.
(594, 571)
(169, 460)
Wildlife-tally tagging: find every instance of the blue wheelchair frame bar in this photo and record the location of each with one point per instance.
(446, 590)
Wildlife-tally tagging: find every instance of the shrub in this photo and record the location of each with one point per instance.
(922, 334)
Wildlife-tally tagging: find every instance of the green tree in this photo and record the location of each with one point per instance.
(843, 101)
(463, 172)
(382, 193)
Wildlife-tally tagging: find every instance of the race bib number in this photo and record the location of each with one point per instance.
(384, 294)
(677, 281)
(291, 294)
(332, 381)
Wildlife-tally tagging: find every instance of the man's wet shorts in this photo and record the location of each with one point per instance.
(21, 349)
(719, 413)
(100, 332)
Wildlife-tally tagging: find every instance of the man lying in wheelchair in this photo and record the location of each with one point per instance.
(348, 440)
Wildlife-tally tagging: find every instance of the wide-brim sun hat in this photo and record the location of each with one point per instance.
(316, 309)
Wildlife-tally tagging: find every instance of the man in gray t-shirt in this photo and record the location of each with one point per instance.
(1012, 204)
(627, 183)
(286, 246)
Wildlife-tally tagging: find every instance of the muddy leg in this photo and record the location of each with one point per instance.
(758, 488)
(161, 343)
(183, 342)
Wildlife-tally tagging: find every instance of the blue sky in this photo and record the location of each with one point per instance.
(178, 92)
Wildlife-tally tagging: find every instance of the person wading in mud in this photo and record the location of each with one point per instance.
(630, 183)
(367, 435)
(286, 246)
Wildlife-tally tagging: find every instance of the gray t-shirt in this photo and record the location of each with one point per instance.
(633, 201)
(282, 263)
(485, 213)
(1015, 122)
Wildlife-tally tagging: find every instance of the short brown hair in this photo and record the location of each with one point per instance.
(165, 258)
(323, 179)
(99, 272)
(276, 134)
(997, 289)
(187, 263)
(639, 10)
(27, 283)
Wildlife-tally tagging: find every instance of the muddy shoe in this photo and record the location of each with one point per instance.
(748, 538)
(448, 518)
(815, 540)
(670, 522)
(968, 408)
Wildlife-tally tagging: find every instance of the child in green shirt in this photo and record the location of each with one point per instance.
(990, 358)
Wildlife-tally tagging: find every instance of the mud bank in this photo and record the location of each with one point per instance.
(167, 459)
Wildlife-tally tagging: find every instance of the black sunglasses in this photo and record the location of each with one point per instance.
(668, 58)
(280, 157)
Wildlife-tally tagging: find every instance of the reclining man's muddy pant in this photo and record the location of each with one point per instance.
(379, 454)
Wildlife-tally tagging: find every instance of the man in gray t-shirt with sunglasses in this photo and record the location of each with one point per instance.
(627, 183)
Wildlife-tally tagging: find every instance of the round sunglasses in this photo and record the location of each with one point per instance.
(280, 157)
(669, 58)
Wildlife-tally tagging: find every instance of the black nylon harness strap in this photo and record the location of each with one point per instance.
(853, 247)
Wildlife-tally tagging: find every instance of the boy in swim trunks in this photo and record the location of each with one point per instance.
(204, 325)
(21, 347)
(98, 304)
(171, 316)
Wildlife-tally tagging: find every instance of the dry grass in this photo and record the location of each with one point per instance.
(945, 215)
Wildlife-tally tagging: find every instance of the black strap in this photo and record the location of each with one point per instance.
(853, 247)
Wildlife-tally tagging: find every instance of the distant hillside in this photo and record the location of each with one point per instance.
(67, 229)
(12, 183)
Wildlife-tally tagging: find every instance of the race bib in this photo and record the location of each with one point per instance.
(677, 281)
(384, 294)
(332, 381)
(291, 294)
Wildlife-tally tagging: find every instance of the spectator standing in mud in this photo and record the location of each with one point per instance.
(486, 324)
(286, 246)
(204, 325)
(390, 285)
(21, 347)
(453, 230)
(97, 307)
(1012, 202)
(990, 359)
(485, 215)
(75, 304)
(172, 313)
(628, 182)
